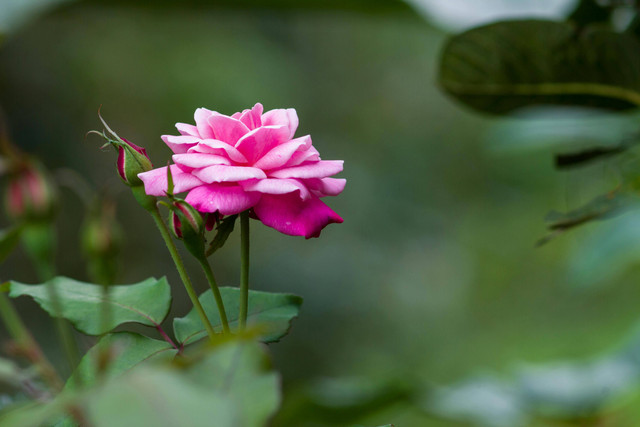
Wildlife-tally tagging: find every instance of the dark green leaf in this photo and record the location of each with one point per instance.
(571, 160)
(271, 311)
(9, 239)
(590, 11)
(223, 231)
(508, 65)
(124, 350)
(147, 302)
(602, 207)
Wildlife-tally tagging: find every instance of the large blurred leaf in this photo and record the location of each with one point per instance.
(605, 206)
(230, 385)
(270, 311)
(147, 302)
(563, 129)
(159, 398)
(9, 239)
(508, 65)
(241, 371)
(606, 253)
(125, 351)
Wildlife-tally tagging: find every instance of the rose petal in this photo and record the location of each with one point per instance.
(280, 155)
(213, 146)
(326, 186)
(252, 118)
(227, 129)
(319, 169)
(186, 129)
(180, 144)
(155, 181)
(299, 157)
(286, 117)
(227, 199)
(202, 122)
(290, 215)
(277, 186)
(221, 173)
(199, 160)
(258, 141)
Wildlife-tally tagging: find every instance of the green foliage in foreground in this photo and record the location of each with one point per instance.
(214, 385)
(272, 313)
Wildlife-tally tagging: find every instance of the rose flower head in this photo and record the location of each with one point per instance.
(251, 160)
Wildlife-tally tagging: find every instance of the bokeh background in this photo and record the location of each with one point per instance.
(434, 276)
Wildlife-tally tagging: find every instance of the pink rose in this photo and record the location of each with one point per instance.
(229, 164)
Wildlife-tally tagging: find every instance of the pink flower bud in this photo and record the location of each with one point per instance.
(186, 221)
(132, 160)
(29, 194)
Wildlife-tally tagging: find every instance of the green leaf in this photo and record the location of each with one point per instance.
(602, 207)
(223, 231)
(507, 65)
(605, 254)
(147, 302)
(125, 351)
(271, 311)
(241, 371)
(9, 239)
(230, 385)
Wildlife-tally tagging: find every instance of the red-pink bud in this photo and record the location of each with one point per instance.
(132, 160)
(29, 194)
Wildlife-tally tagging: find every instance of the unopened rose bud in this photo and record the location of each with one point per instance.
(132, 160)
(30, 194)
(186, 220)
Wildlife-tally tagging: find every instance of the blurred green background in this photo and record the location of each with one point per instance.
(434, 275)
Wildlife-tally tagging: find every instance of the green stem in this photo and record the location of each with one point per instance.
(28, 346)
(244, 271)
(38, 239)
(216, 293)
(164, 231)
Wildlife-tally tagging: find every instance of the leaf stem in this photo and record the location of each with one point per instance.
(186, 281)
(244, 268)
(166, 337)
(27, 345)
(216, 293)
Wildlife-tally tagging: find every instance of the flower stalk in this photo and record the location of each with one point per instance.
(27, 345)
(206, 267)
(244, 268)
(186, 281)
